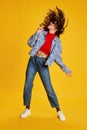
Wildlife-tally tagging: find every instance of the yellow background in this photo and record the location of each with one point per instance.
(19, 19)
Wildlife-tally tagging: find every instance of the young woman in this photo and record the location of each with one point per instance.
(46, 49)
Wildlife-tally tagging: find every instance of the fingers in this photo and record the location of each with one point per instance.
(69, 74)
(40, 29)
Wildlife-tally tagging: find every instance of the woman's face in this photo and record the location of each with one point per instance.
(52, 26)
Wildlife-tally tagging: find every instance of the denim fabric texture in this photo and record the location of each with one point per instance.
(36, 64)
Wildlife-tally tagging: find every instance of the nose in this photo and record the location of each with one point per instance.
(51, 23)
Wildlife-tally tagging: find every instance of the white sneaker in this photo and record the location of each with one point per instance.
(26, 113)
(61, 116)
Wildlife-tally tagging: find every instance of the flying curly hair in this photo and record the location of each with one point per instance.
(58, 18)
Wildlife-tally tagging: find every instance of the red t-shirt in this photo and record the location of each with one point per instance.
(47, 44)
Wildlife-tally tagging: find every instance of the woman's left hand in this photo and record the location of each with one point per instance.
(69, 74)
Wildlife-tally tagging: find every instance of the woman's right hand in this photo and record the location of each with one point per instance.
(39, 29)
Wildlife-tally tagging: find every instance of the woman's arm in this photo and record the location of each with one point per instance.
(59, 61)
(33, 39)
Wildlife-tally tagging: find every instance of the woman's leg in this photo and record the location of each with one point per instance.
(45, 77)
(30, 74)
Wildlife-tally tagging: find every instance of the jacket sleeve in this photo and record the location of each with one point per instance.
(33, 39)
(58, 58)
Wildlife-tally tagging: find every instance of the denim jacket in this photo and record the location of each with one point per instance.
(37, 40)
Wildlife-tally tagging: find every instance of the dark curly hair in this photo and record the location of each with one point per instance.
(55, 16)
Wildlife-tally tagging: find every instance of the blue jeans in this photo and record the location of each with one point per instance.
(36, 64)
